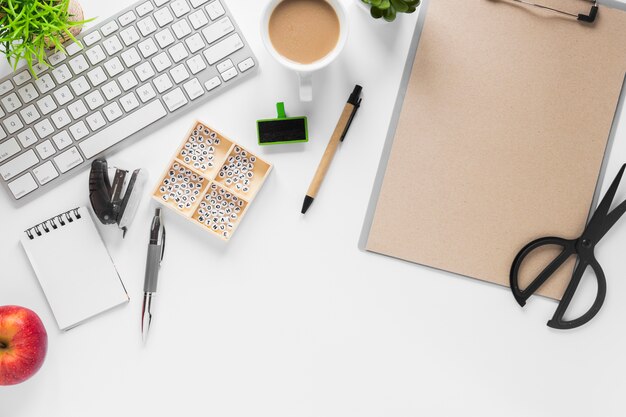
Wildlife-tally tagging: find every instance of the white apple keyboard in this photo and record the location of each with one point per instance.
(134, 71)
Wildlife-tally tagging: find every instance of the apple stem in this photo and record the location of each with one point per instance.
(3, 345)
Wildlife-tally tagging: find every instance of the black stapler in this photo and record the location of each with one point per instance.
(114, 203)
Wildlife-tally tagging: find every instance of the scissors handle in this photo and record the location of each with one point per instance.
(570, 247)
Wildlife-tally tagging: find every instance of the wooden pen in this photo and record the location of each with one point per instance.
(353, 104)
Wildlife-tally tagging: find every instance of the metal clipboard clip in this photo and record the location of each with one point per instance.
(588, 18)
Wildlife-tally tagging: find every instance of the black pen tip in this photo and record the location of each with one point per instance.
(308, 200)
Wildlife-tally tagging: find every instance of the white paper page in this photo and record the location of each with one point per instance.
(75, 270)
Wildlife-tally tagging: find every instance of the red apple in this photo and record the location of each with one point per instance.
(23, 344)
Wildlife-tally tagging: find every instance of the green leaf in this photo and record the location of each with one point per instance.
(376, 12)
(399, 5)
(390, 14)
(384, 4)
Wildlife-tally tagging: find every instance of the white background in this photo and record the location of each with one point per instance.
(289, 318)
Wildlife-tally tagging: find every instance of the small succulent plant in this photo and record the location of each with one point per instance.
(388, 9)
(29, 27)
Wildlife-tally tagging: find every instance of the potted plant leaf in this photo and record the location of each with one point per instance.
(28, 28)
(389, 9)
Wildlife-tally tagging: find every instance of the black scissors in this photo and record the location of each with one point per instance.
(583, 248)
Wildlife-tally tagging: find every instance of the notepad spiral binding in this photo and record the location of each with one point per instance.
(53, 223)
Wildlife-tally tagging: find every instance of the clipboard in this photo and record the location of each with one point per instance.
(499, 136)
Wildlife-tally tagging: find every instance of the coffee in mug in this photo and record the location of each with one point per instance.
(304, 36)
(304, 31)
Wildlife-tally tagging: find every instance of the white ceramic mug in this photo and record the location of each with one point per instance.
(305, 71)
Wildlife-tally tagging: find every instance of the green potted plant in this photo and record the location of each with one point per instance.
(389, 9)
(28, 28)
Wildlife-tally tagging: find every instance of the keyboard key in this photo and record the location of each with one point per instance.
(131, 57)
(11, 102)
(62, 140)
(178, 52)
(95, 55)
(160, 3)
(95, 121)
(45, 172)
(198, 19)
(94, 100)
(212, 83)
(12, 124)
(148, 48)
(22, 186)
(22, 77)
(113, 66)
(73, 48)
(129, 102)
(44, 128)
(146, 93)
(162, 83)
(56, 58)
(8, 149)
(45, 149)
(79, 64)
(163, 16)
(161, 62)
(18, 164)
(175, 99)
(5, 87)
(39, 68)
(223, 66)
(218, 30)
(92, 38)
(44, 83)
(27, 138)
(112, 111)
(229, 74)
(123, 128)
(127, 81)
(109, 28)
(63, 95)
(144, 8)
(181, 29)
(61, 118)
(146, 26)
(68, 160)
(246, 64)
(1, 115)
(196, 64)
(112, 45)
(30, 114)
(164, 38)
(198, 3)
(223, 48)
(62, 74)
(80, 85)
(46, 105)
(97, 76)
(180, 7)
(111, 90)
(195, 43)
(28, 93)
(179, 73)
(79, 130)
(2, 133)
(77, 109)
(129, 36)
(193, 89)
(215, 10)
(127, 18)
(144, 71)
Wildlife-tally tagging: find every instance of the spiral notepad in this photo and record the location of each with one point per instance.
(73, 267)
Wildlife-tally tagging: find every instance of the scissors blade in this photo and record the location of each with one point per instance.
(600, 222)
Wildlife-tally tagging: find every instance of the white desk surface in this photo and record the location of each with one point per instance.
(290, 318)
